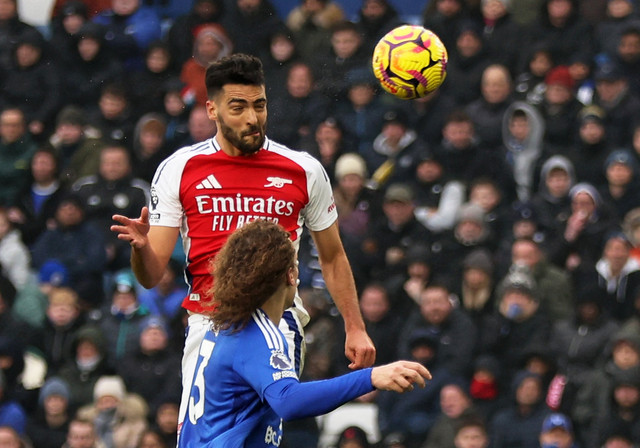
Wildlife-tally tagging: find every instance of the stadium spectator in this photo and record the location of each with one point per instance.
(559, 108)
(82, 434)
(327, 144)
(529, 83)
(181, 34)
(299, 110)
(588, 154)
(16, 150)
(311, 22)
(131, 26)
(32, 83)
(35, 205)
(211, 43)
(523, 133)
(375, 19)
(443, 17)
(447, 324)
(49, 425)
(456, 406)
(518, 325)
(113, 190)
(580, 239)
(11, 27)
(282, 53)
(503, 37)
(471, 433)
(389, 237)
(557, 430)
(249, 24)
(347, 53)
(113, 121)
(580, 342)
(519, 423)
(551, 203)
(487, 112)
(561, 28)
(623, 179)
(149, 146)
(75, 145)
(438, 196)
(596, 391)
(91, 67)
(553, 287)
(58, 333)
(120, 319)
(119, 416)
(89, 363)
(618, 100)
(63, 28)
(147, 85)
(467, 61)
(361, 116)
(153, 366)
(76, 244)
(414, 413)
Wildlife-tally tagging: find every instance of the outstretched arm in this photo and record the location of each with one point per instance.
(291, 399)
(151, 247)
(339, 279)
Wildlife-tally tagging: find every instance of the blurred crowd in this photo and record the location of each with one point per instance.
(493, 227)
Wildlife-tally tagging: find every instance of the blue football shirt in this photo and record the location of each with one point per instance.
(226, 405)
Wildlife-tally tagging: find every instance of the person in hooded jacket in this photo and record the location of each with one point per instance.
(32, 83)
(92, 66)
(523, 132)
(182, 32)
(560, 26)
(551, 203)
(11, 27)
(211, 43)
(467, 61)
(89, 363)
(64, 28)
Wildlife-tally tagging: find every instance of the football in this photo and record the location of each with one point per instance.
(410, 62)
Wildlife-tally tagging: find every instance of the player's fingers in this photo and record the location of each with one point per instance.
(144, 215)
(414, 377)
(402, 383)
(121, 219)
(419, 368)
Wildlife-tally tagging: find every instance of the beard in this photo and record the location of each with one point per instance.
(246, 145)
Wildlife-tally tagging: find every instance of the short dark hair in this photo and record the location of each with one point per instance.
(237, 68)
(469, 421)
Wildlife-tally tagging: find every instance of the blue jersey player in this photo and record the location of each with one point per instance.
(245, 384)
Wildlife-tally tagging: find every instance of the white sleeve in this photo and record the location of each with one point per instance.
(320, 212)
(165, 208)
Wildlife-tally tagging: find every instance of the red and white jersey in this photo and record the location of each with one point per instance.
(209, 194)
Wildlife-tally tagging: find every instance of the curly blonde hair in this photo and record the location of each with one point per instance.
(249, 268)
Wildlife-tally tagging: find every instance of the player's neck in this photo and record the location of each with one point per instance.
(275, 305)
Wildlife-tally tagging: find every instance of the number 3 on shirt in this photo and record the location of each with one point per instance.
(196, 409)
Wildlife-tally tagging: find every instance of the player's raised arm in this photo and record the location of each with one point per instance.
(151, 247)
(337, 274)
(291, 399)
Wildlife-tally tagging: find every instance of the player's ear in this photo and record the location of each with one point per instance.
(291, 277)
(212, 110)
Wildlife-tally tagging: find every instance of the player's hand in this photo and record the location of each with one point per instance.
(359, 349)
(399, 376)
(133, 230)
